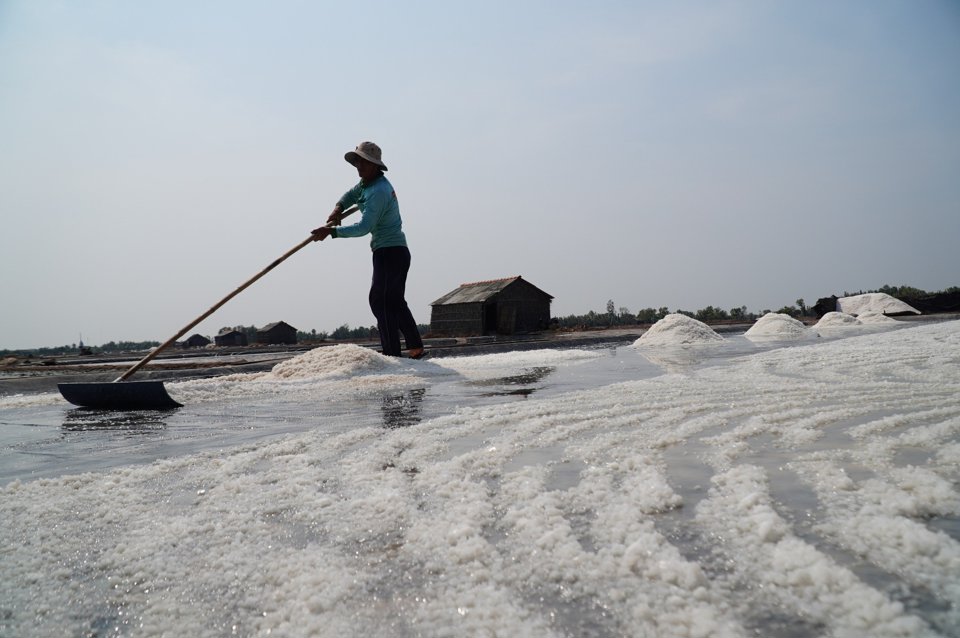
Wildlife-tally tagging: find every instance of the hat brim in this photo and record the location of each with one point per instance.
(352, 156)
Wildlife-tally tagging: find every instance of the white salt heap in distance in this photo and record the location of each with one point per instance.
(775, 325)
(872, 318)
(678, 330)
(837, 320)
(879, 302)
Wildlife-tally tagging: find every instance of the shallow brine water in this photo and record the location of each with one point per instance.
(803, 487)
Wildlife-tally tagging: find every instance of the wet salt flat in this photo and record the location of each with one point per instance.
(785, 483)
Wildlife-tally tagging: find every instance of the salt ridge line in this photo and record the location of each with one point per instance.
(795, 577)
(877, 518)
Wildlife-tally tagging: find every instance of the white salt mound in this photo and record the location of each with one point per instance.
(678, 330)
(328, 361)
(878, 302)
(775, 325)
(837, 320)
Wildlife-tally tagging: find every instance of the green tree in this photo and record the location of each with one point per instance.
(647, 315)
(710, 313)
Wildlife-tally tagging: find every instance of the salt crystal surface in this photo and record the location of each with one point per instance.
(728, 501)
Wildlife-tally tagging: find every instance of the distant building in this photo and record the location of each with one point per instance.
(196, 341)
(279, 332)
(498, 306)
(231, 338)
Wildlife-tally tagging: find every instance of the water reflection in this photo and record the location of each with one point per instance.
(128, 423)
(679, 358)
(526, 378)
(402, 410)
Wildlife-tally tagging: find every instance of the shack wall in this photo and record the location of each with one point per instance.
(278, 334)
(522, 308)
(460, 319)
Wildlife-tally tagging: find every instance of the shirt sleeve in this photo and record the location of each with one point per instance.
(375, 203)
(351, 197)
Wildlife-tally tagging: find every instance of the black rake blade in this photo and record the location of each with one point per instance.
(119, 395)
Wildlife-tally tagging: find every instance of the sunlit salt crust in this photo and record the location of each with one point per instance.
(487, 366)
(678, 330)
(13, 401)
(522, 519)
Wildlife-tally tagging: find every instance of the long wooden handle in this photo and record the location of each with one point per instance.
(217, 305)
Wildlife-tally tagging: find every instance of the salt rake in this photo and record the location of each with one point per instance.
(121, 394)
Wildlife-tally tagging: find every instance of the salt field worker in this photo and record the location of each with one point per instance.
(380, 217)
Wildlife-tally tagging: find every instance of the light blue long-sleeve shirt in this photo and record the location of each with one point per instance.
(380, 214)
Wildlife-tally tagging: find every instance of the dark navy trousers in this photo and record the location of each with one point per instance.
(390, 267)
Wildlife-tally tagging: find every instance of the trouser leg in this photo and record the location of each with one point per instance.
(390, 267)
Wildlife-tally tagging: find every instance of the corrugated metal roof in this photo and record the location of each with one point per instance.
(271, 326)
(478, 291)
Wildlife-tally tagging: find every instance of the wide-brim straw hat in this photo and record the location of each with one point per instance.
(368, 151)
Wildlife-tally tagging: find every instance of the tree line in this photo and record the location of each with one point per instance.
(614, 316)
(622, 316)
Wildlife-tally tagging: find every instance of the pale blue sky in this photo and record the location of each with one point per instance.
(154, 155)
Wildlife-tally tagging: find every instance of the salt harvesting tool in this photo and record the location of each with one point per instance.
(121, 394)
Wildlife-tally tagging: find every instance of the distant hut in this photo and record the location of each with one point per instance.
(498, 306)
(231, 338)
(279, 332)
(196, 341)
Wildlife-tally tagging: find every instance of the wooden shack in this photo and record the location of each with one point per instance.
(497, 306)
(278, 332)
(196, 341)
(231, 338)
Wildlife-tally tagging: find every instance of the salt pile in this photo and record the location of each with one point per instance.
(317, 375)
(878, 302)
(774, 325)
(329, 361)
(678, 330)
(877, 318)
(837, 320)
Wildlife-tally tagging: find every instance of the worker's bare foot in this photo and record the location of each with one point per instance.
(415, 353)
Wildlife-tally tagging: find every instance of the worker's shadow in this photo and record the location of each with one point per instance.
(402, 410)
